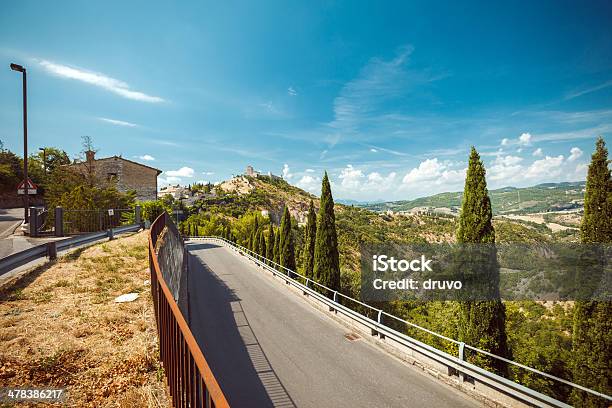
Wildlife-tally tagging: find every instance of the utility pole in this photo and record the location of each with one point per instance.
(22, 69)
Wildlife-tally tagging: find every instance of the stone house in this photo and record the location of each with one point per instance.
(126, 174)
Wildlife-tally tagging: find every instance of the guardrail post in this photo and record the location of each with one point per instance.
(52, 250)
(59, 222)
(335, 299)
(138, 215)
(111, 234)
(379, 320)
(462, 358)
(304, 292)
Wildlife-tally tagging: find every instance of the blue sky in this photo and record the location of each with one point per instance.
(387, 97)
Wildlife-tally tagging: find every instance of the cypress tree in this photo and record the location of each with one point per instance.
(256, 224)
(262, 243)
(482, 322)
(592, 331)
(310, 236)
(271, 239)
(277, 248)
(287, 245)
(255, 241)
(326, 258)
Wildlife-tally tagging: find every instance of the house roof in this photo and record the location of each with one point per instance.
(127, 160)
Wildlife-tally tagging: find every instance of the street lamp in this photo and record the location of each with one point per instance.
(21, 69)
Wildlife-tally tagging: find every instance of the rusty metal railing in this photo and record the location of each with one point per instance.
(189, 378)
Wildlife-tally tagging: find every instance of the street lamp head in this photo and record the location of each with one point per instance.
(17, 68)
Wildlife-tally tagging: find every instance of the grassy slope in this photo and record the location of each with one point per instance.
(59, 327)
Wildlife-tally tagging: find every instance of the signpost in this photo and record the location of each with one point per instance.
(28, 185)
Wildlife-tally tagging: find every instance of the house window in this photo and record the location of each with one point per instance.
(111, 177)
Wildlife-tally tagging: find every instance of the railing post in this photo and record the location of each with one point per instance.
(52, 250)
(462, 358)
(59, 222)
(379, 320)
(335, 299)
(111, 234)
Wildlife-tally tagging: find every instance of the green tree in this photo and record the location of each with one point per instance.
(277, 247)
(287, 245)
(481, 323)
(271, 239)
(11, 171)
(326, 257)
(592, 331)
(310, 236)
(262, 243)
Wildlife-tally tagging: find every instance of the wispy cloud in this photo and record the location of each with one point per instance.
(146, 157)
(379, 80)
(118, 122)
(291, 91)
(577, 93)
(100, 80)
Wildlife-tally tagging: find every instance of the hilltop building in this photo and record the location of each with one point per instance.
(127, 175)
(254, 173)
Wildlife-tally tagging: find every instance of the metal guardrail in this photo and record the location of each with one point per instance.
(190, 380)
(50, 249)
(458, 364)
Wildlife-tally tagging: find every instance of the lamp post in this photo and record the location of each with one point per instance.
(22, 69)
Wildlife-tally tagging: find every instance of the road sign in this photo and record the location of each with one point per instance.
(111, 212)
(27, 185)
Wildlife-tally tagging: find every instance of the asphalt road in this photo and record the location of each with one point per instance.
(268, 347)
(10, 219)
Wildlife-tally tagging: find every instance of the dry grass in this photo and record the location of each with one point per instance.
(59, 327)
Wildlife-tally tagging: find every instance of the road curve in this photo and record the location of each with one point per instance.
(268, 347)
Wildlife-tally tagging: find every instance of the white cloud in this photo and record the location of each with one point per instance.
(100, 80)
(524, 139)
(546, 168)
(374, 150)
(118, 122)
(351, 177)
(208, 173)
(538, 152)
(309, 183)
(427, 170)
(505, 141)
(146, 157)
(182, 172)
(575, 153)
(505, 168)
(287, 172)
(309, 171)
(291, 91)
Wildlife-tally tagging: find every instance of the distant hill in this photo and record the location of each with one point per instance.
(542, 197)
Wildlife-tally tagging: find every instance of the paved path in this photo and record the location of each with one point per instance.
(268, 347)
(10, 219)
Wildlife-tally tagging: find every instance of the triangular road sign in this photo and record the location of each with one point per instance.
(27, 184)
